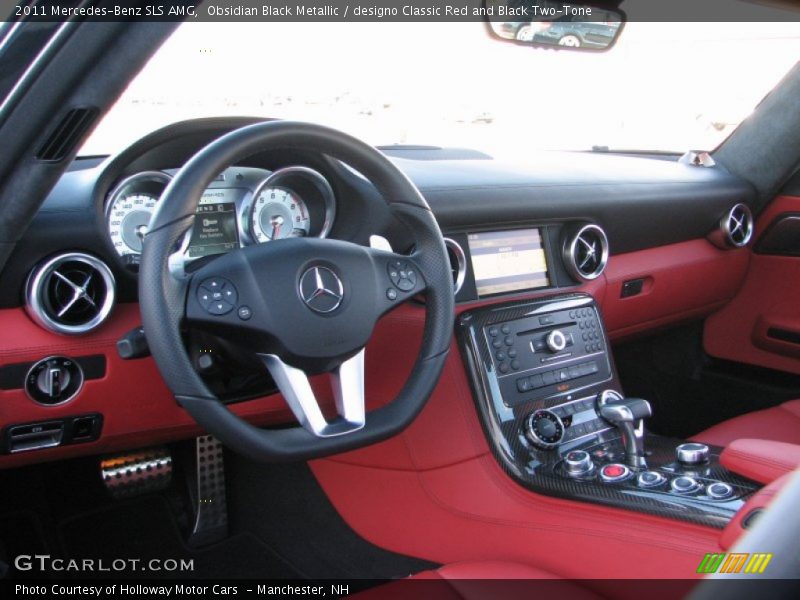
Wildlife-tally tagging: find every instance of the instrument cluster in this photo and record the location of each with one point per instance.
(241, 207)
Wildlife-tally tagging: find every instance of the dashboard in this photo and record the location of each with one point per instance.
(633, 232)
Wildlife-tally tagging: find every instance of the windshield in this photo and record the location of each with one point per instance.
(663, 87)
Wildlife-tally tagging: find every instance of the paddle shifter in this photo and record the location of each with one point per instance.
(628, 414)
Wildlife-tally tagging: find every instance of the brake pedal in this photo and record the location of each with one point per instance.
(210, 503)
(135, 473)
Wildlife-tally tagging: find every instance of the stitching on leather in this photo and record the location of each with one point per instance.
(761, 460)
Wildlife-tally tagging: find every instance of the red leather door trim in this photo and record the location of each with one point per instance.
(761, 500)
(770, 295)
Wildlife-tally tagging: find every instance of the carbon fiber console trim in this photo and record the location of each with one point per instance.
(570, 396)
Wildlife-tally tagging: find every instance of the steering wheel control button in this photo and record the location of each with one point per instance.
(649, 479)
(402, 275)
(684, 485)
(578, 463)
(544, 429)
(244, 313)
(217, 296)
(614, 472)
(321, 289)
(692, 453)
(219, 308)
(391, 294)
(719, 491)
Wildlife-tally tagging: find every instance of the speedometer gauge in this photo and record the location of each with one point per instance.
(129, 209)
(128, 219)
(278, 213)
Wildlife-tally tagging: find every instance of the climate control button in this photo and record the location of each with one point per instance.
(544, 429)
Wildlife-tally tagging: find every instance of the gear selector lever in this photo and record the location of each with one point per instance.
(628, 414)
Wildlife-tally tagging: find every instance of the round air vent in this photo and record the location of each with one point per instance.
(458, 263)
(70, 293)
(586, 252)
(735, 228)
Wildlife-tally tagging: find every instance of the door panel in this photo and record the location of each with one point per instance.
(761, 325)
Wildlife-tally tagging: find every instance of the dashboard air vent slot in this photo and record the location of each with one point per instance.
(67, 134)
(70, 293)
(735, 228)
(458, 263)
(586, 252)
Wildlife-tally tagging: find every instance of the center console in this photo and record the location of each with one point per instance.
(551, 404)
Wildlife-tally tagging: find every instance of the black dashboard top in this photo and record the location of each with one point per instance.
(641, 202)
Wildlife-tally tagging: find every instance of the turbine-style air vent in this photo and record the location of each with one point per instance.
(70, 293)
(736, 226)
(458, 263)
(586, 252)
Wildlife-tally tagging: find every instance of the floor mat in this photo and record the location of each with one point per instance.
(146, 529)
(286, 508)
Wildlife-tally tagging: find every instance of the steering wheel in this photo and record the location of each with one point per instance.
(303, 305)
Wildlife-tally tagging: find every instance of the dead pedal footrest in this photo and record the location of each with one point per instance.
(135, 473)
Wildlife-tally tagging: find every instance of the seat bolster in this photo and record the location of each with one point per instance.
(779, 424)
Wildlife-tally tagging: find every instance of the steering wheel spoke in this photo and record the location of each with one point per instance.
(347, 381)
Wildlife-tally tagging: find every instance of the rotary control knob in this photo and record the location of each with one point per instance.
(578, 463)
(54, 380)
(692, 453)
(556, 341)
(544, 429)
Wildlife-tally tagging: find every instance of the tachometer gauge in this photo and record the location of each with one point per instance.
(278, 213)
(129, 210)
(293, 201)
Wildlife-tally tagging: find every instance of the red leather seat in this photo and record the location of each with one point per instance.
(779, 424)
(477, 581)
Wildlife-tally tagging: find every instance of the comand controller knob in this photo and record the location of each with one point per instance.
(556, 341)
(544, 429)
(692, 453)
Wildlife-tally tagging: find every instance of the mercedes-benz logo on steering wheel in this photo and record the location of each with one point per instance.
(321, 289)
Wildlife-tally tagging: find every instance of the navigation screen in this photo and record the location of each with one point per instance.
(214, 230)
(507, 261)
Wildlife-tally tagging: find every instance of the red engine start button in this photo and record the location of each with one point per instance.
(613, 470)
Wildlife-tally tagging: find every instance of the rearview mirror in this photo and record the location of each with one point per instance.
(549, 23)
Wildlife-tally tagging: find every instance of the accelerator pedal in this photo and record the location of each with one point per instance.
(210, 503)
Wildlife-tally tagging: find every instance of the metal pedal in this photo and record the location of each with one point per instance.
(135, 473)
(210, 503)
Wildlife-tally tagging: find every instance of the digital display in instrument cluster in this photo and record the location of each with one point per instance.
(508, 261)
(215, 228)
